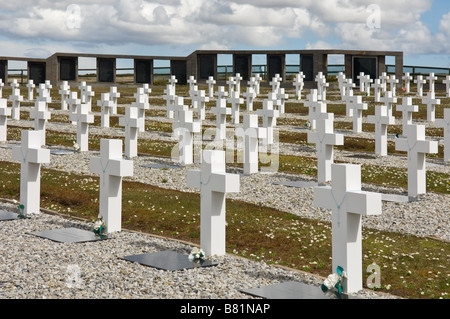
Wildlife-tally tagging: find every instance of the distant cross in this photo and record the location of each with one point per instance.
(282, 97)
(388, 99)
(192, 81)
(200, 102)
(214, 184)
(210, 83)
(82, 87)
(349, 85)
(381, 119)
(269, 115)
(184, 128)
(221, 111)
(407, 78)
(5, 111)
(48, 87)
(378, 87)
(31, 156)
(82, 117)
(431, 102)
(30, 86)
(275, 83)
(112, 168)
(393, 82)
(131, 123)
(231, 83)
(361, 83)
(258, 79)
(348, 204)
(325, 138)
(446, 82)
(420, 82)
(105, 105)
(432, 79)
(142, 104)
(114, 95)
(1, 87)
(417, 147)
(407, 108)
(16, 98)
(238, 78)
(299, 84)
(41, 115)
(73, 103)
(249, 95)
(235, 102)
(169, 96)
(252, 83)
(64, 92)
(341, 81)
(173, 81)
(316, 108)
(366, 80)
(445, 124)
(383, 78)
(43, 94)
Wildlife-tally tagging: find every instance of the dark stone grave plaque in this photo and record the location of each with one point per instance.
(3, 70)
(179, 69)
(291, 290)
(297, 184)
(307, 67)
(143, 70)
(61, 152)
(395, 198)
(242, 64)
(106, 70)
(68, 235)
(206, 65)
(168, 260)
(366, 65)
(8, 215)
(160, 165)
(36, 72)
(67, 69)
(274, 66)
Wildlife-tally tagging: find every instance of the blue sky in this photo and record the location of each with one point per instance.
(39, 28)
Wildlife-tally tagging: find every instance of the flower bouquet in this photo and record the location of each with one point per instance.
(99, 227)
(334, 281)
(21, 208)
(197, 255)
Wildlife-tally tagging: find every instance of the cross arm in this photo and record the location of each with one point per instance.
(364, 203)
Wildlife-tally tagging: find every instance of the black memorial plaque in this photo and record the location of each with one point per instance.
(8, 215)
(160, 166)
(143, 71)
(242, 65)
(36, 72)
(168, 260)
(206, 64)
(68, 235)
(307, 67)
(68, 69)
(3, 70)
(178, 68)
(274, 66)
(366, 65)
(61, 152)
(106, 70)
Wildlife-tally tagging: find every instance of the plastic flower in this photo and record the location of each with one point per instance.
(196, 254)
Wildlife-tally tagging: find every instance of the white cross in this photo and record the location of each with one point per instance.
(105, 105)
(41, 115)
(185, 127)
(389, 101)
(431, 79)
(275, 83)
(82, 88)
(82, 117)
(192, 81)
(214, 184)
(407, 108)
(142, 104)
(249, 95)
(258, 79)
(383, 78)
(420, 82)
(192, 93)
(252, 83)
(169, 96)
(1, 87)
(299, 84)
(417, 147)
(446, 82)
(381, 119)
(348, 86)
(235, 101)
(231, 82)
(178, 106)
(407, 78)
(238, 79)
(16, 98)
(173, 81)
(361, 83)
(221, 111)
(325, 138)
(30, 86)
(250, 133)
(5, 111)
(73, 102)
(431, 103)
(112, 168)
(64, 92)
(48, 87)
(321, 86)
(131, 123)
(356, 105)
(366, 80)
(114, 95)
(269, 115)
(210, 83)
(200, 101)
(31, 156)
(445, 124)
(341, 81)
(393, 82)
(88, 94)
(15, 84)
(43, 94)
(317, 109)
(282, 97)
(348, 204)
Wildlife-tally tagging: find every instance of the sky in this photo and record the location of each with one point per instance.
(39, 28)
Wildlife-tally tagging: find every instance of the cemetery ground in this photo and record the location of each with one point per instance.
(260, 226)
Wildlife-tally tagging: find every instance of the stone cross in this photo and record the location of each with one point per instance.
(31, 156)
(200, 100)
(169, 96)
(131, 123)
(30, 86)
(48, 87)
(420, 82)
(105, 105)
(112, 168)
(407, 109)
(383, 78)
(446, 82)
(282, 97)
(276, 81)
(214, 184)
(356, 105)
(258, 80)
(73, 103)
(431, 102)
(366, 81)
(43, 94)
(147, 90)
(235, 101)
(41, 115)
(317, 109)
(321, 86)
(325, 138)
(445, 124)
(250, 133)
(185, 127)
(389, 101)
(378, 87)
(269, 115)
(432, 79)
(381, 119)
(393, 82)
(173, 81)
(82, 87)
(231, 83)
(177, 107)
(348, 204)
(5, 111)
(407, 78)
(142, 104)
(114, 95)
(16, 98)
(341, 81)
(82, 117)
(88, 94)
(299, 84)
(252, 83)
(250, 95)
(210, 83)
(15, 84)
(348, 87)
(1, 87)
(192, 81)
(238, 78)
(361, 83)
(417, 147)
(64, 92)
(221, 111)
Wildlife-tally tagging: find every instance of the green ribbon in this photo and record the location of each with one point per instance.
(338, 285)
(99, 231)
(21, 208)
